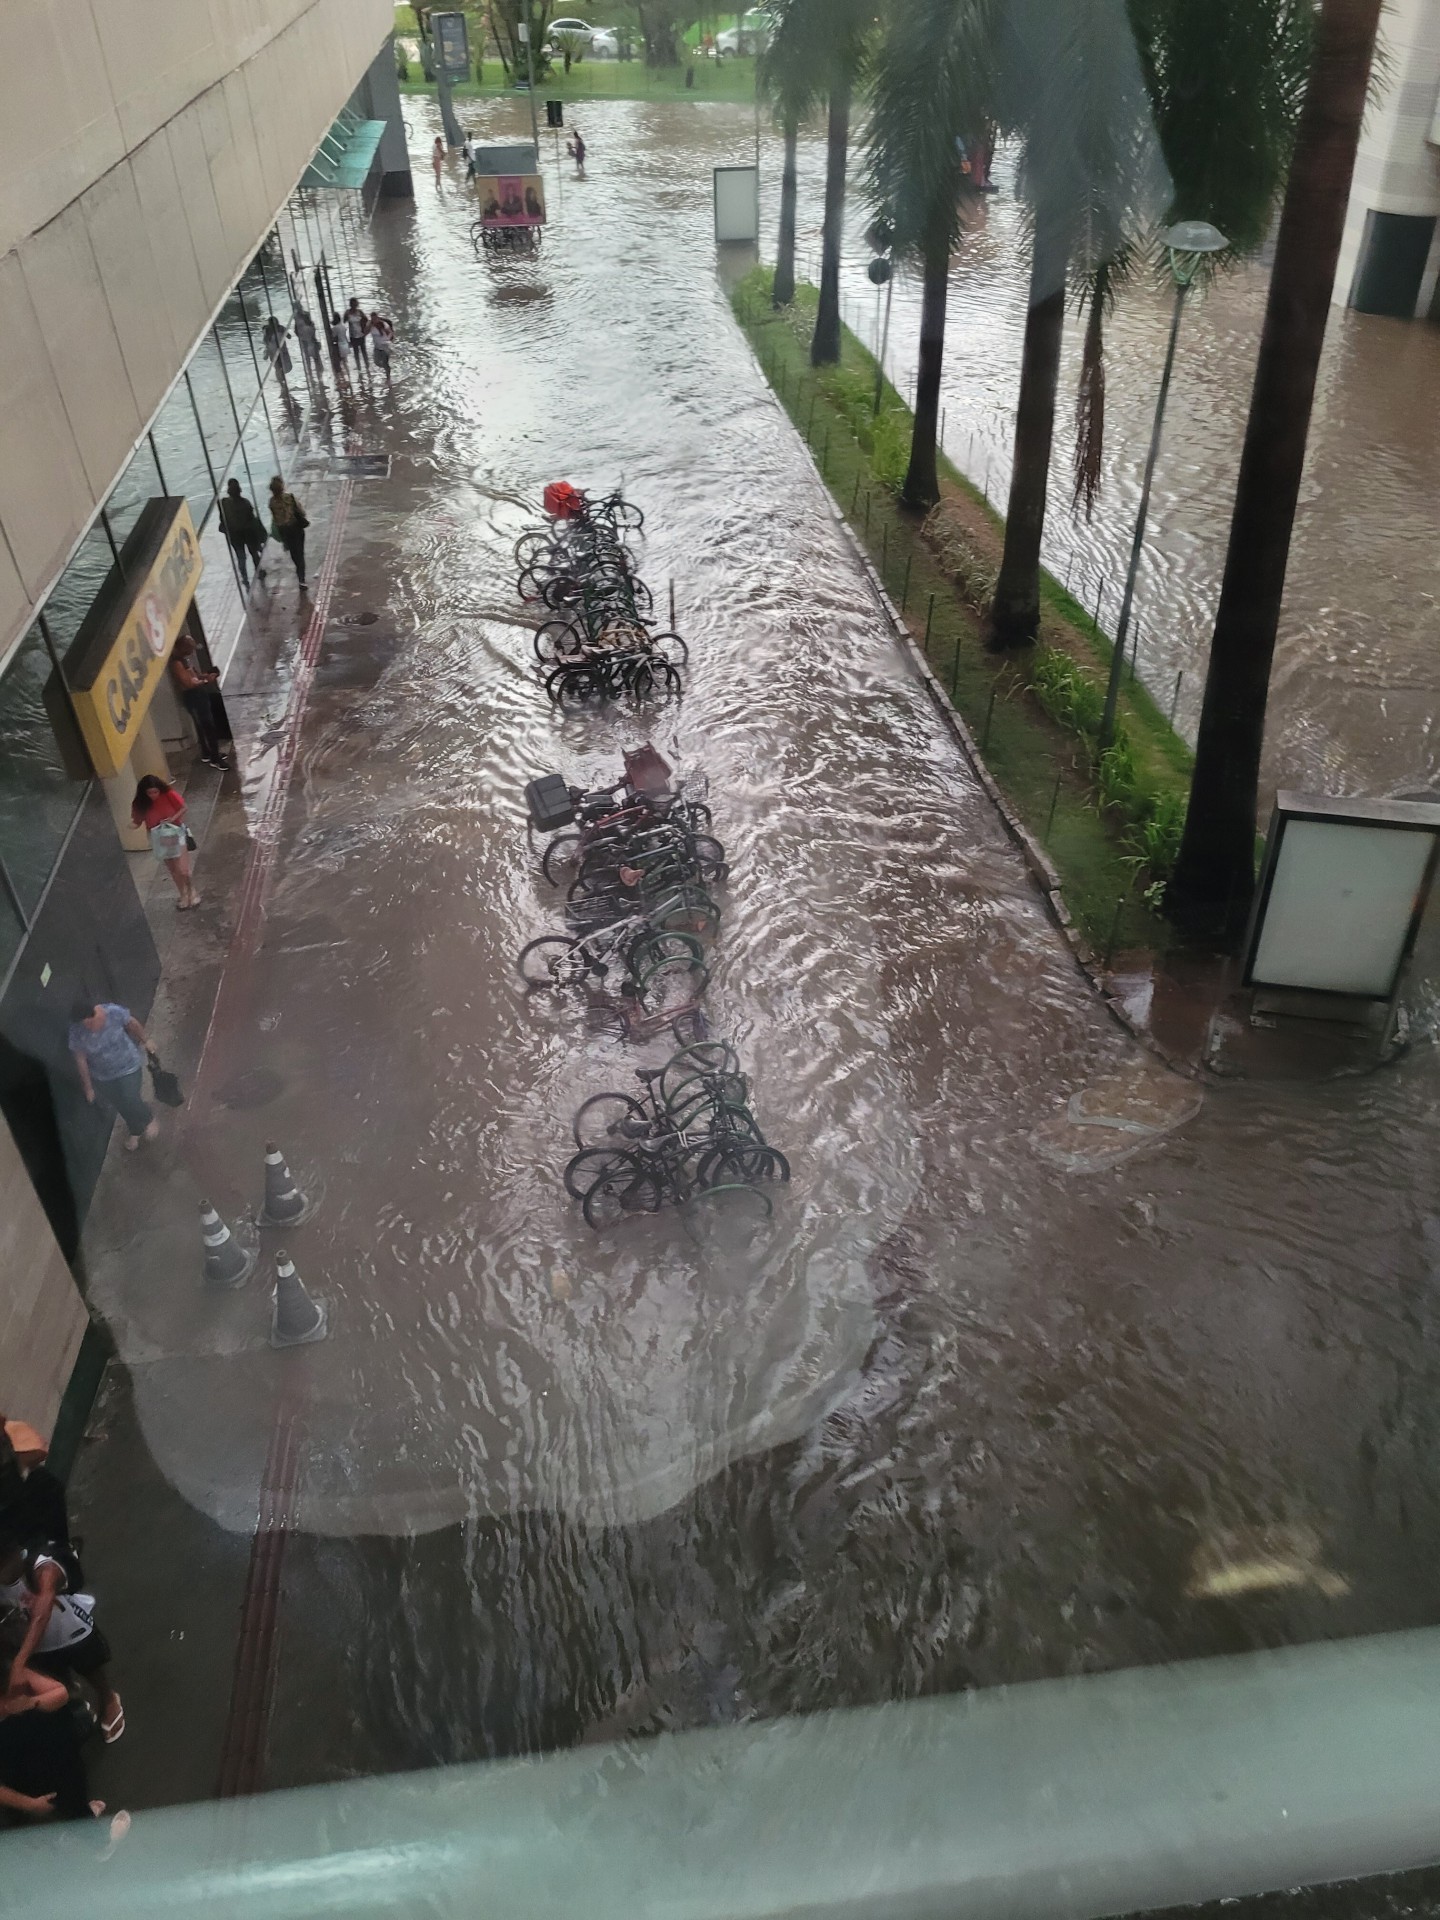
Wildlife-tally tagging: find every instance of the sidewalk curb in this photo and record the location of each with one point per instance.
(1042, 871)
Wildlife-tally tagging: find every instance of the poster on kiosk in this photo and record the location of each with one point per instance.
(511, 199)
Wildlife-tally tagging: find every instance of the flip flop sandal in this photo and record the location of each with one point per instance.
(115, 1725)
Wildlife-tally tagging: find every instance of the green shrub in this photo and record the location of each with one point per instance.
(890, 448)
(1157, 839)
(1067, 694)
(1117, 776)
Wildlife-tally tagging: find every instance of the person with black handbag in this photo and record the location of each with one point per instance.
(288, 524)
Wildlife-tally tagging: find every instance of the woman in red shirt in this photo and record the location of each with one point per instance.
(160, 808)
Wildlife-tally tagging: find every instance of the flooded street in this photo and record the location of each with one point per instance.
(1355, 694)
(998, 1404)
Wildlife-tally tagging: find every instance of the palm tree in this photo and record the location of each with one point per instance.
(829, 39)
(1090, 176)
(1214, 876)
(933, 98)
(1222, 83)
(787, 78)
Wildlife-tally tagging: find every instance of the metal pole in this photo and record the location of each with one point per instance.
(884, 553)
(825, 456)
(929, 616)
(1117, 659)
(672, 606)
(884, 345)
(1175, 697)
(1114, 930)
(1054, 802)
(530, 75)
(867, 515)
(905, 594)
(989, 715)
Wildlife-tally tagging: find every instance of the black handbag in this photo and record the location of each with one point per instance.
(166, 1086)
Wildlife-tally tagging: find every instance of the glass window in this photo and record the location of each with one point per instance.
(234, 338)
(11, 932)
(182, 454)
(139, 482)
(212, 400)
(74, 592)
(38, 797)
(261, 455)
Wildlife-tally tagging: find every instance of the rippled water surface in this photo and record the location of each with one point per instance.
(976, 1418)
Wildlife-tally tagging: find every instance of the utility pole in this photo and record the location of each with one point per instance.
(524, 31)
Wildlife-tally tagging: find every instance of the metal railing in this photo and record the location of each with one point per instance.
(1103, 1795)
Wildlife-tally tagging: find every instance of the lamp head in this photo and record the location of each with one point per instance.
(1187, 244)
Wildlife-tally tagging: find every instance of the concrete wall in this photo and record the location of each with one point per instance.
(1397, 169)
(144, 147)
(42, 1317)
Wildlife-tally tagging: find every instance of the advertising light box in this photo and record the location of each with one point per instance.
(1341, 894)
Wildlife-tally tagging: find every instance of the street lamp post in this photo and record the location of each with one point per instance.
(1186, 245)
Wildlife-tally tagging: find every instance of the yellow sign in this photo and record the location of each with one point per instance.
(112, 707)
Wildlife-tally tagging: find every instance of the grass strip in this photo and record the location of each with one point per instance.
(1110, 825)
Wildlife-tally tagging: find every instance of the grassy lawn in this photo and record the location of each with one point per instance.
(592, 79)
(615, 80)
(1109, 825)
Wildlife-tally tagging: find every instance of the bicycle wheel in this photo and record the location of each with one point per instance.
(718, 1115)
(609, 1118)
(669, 646)
(654, 954)
(731, 1222)
(709, 857)
(571, 688)
(556, 643)
(533, 547)
(752, 1162)
(704, 1056)
(544, 961)
(592, 1164)
(560, 858)
(616, 1193)
(698, 917)
(627, 517)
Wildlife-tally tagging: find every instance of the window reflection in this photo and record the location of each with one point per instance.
(69, 601)
(182, 454)
(139, 482)
(38, 797)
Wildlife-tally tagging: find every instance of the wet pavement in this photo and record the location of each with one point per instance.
(997, 1405)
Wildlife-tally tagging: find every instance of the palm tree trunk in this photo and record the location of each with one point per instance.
(1215, 873)
(922, 481)
(825, 346)
(783, 291)
(1015, 612)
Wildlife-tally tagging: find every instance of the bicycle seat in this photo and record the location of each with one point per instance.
(647, 1074)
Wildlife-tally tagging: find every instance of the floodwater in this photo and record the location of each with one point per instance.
(1355, 692)
(982, 1414)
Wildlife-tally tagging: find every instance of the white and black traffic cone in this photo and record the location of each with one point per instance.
(298, 1319)
(227, 1263)
(285, 1204)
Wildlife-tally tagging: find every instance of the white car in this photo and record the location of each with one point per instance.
(751, 36)
(605, 44)
(576, 34)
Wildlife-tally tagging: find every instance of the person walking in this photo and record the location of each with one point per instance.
(108, 1043)
(276, 351)
(308, 334)
(243, 528)
(161, 810)
(579, 151)
(383, 336)
(199, 696)
(437, 158)
(357, 329)
(288, 524)
(339, 339)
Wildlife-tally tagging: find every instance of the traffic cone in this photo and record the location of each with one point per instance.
(227, 1263)
(285, 1204)
(298, 1319)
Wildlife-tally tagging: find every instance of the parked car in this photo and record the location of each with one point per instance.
(605, 44)
(576, 35)
(751, 36)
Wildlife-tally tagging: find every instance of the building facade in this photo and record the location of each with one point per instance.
(155, 241)
(1390, 259)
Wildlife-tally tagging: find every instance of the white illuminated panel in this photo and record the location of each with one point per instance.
(737, 203)
(1341, 905)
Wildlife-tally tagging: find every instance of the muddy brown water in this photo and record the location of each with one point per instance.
(977, 1418)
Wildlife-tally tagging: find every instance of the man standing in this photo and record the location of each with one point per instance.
(357, 326)
(108, 1044)
(308, 334)
(244, 529)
